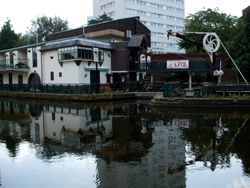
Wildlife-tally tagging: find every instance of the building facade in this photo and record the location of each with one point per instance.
(100, 53)
(157, 15)
(68, 61)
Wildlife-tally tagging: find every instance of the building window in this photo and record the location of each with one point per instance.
(34, 53)
(53, 116)
(51, 75)
(103, 7)
(128, 33)
(85, 52)
(60, 74)
(76, 52)
(110, 14)
(101, 55)
(111, 4)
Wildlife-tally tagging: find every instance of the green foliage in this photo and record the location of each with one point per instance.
(241, 45)
(205, 21)
(8, 38)
(98, 19)
(43, 26)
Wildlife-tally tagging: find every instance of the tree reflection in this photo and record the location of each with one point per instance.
(212, 142)
(128, 132)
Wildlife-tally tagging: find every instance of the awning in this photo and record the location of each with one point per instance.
(88, 68)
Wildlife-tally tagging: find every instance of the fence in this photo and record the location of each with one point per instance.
(84, 88)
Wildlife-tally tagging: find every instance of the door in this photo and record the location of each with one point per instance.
(10, 78)
(20, 79)
(95, 81)
(1, 79)
(95, 77)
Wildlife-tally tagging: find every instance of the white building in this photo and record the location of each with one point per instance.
(98, 53)
(158, 15)
(68, 61)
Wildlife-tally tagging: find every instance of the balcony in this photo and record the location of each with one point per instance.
(14, 64)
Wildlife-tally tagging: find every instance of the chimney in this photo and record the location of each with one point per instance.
(104, 17)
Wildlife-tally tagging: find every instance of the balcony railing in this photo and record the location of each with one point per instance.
(14, 63)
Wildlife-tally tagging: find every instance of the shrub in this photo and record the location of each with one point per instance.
(104, 89)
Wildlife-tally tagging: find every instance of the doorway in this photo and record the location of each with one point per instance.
(95, 77)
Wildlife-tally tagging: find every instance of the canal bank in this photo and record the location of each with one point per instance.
(200, 102)
(79, 97)
(156, 99)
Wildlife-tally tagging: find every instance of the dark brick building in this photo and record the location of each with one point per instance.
(121, 30)
(121, 34)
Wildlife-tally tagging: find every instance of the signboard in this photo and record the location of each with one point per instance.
(180, 123)
(95, 55)
(178, 64)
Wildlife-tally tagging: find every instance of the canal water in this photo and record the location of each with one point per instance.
(122, 144)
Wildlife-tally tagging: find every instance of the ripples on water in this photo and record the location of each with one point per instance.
(122, 145)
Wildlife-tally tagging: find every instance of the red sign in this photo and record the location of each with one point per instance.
(180, 123)
(178, 64)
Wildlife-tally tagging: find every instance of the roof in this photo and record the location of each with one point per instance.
(76, 42)
(20, 47)
(135, 41)
(104, 22)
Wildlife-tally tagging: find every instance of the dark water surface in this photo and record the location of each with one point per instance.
(126, 144)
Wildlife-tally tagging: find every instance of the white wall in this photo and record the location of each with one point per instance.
(71, 73)
(69, 70)
(37, 69)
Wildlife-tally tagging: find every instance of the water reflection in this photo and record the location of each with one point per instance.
(134, 145)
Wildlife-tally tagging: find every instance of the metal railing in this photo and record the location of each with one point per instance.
(14, 63)
(84, 88)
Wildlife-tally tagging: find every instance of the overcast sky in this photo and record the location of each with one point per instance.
(76, 11)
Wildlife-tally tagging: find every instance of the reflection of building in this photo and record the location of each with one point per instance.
(38, 122)
(22, 121)
(62, 124)
(135, 149)
(162, 165)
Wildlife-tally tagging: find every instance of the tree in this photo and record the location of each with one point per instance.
(241, 45)
(98, 19)
(43, 26)
(8, 38)
(205, 21)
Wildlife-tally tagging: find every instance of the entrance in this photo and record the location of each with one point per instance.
(20, 79)
(94, 77)
(10, 78)
(1, 79)
(34, 78)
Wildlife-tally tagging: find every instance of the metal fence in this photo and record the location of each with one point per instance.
(13, 63)
(84, 88)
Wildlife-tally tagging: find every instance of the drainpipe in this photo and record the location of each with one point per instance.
(190, 80)
(41, 67)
